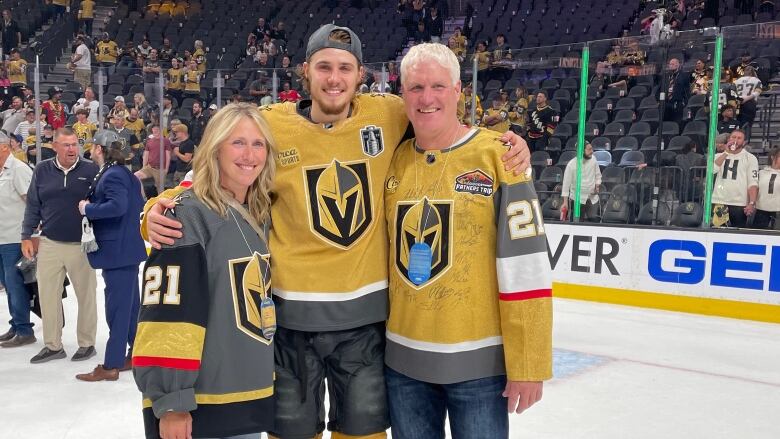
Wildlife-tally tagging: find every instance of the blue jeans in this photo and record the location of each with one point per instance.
(18, 298)
(476, 408)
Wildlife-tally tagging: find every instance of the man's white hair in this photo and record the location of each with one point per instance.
(435, 52)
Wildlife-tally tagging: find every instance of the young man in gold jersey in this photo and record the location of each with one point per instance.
(328, 235)
(85, 131)
(470, 326)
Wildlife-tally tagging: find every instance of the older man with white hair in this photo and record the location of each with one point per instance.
(470, 324)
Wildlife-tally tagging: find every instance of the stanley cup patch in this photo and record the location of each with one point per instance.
(372, 140)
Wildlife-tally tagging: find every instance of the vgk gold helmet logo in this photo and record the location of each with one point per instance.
(425, 221)
(250, 279)
(339, 201)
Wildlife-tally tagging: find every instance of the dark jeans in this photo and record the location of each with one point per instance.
(18, 298)
(86, 24)
(763, 220)
(539, 144)
(476, 408)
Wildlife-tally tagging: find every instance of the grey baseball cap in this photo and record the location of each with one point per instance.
(4, 140)
(320, 39)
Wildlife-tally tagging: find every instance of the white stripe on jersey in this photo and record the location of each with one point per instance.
(445, 348)
(331, 297)
(524, 273)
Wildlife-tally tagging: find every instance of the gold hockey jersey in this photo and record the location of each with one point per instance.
(328, 229)
(486, 308)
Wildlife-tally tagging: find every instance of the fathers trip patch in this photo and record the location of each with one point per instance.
(474, 182)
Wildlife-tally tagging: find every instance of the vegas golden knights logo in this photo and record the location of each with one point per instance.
(250, 279)
(425, 221)
(339, 198)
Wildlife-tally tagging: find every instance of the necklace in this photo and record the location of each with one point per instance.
(420, 254)
(266, 308)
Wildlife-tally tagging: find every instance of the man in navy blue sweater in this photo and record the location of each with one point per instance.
(58, 184)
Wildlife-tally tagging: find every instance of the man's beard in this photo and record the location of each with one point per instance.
(587, 157)
(332, 110)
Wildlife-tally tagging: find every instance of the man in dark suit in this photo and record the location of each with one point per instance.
(113, 207)
(679, 89)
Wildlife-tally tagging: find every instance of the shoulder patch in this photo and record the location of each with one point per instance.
(475, 182)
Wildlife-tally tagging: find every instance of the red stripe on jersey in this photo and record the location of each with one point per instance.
(526, 295)
(168, 363)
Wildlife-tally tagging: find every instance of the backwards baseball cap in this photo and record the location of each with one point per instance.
(321, 39)
(119, 99)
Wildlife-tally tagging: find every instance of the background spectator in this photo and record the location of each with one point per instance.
(52, 204)
(736, 184)
(11, 36)
(768, 203)
(16, 176)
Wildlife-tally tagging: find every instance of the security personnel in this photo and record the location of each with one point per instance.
(112, 207)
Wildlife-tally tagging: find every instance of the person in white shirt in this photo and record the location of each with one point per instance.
(13, 116)
(23, 129)
(736, 184)
(82, 63)
(88, 102)
(768, 203)
(589, 189)
(15, 179)
(748, 89)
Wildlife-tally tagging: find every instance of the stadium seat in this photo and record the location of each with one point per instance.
(651, 117)
(603, 104)
(640, 130)
(669, 130)
(539, 161)
(688, 215)
(614, 93)
(551, 209)
(696, 130)
(563, 131)
(592, 130)
(599, 117)
(626, 143)
(601, 143)
(678, 142)
(666, 158)
(551, 176)
(626, 117)
(616, 211)
(603, 158)
(647, 214)
(638, 92)
(612, 176)
(564, 158)
(614, 131)
(648, 103)
(625, 104)
(632, 158)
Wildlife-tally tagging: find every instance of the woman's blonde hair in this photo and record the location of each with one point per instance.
(140, 95)
(205, 165)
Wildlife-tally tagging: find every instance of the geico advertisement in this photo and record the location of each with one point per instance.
(743, 266)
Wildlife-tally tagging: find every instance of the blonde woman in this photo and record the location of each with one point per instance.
(203, 356)
(140, 104)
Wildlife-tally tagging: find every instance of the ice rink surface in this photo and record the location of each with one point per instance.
(620, 373)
